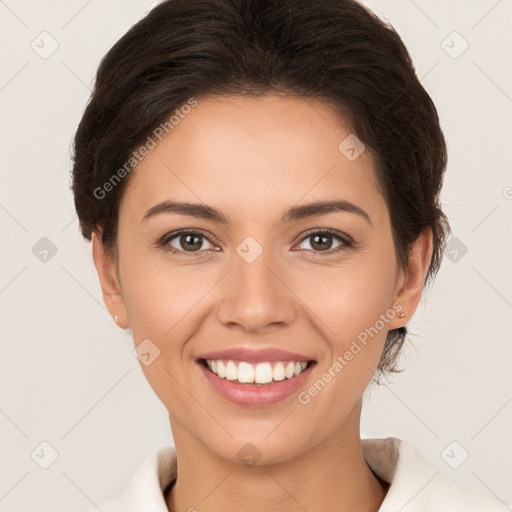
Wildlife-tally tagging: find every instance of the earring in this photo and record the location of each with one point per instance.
(401, 315)
(115, 319)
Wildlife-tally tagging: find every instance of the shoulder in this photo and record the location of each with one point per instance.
(112, 504)
(417, 485)
(145, 489)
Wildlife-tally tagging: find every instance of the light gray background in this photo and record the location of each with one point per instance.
(69, 377)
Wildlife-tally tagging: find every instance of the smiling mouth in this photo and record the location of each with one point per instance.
(256, 373)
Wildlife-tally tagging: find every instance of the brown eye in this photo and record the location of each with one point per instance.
(186, 242)
(192, 242)
(322, 241)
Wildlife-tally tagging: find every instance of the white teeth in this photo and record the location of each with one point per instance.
(278, 372)
(245, 372)
(290, 370)
(231, 371)
(261, 373)
(221, 370)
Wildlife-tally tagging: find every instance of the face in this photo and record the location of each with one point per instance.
(258, 278)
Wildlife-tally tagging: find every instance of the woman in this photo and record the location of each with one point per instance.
(260, 181)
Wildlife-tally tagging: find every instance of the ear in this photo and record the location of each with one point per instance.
(109, 281)
(410, 282)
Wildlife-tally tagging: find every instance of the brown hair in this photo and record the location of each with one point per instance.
(334, 50)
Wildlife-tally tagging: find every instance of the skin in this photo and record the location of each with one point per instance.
(253, 159)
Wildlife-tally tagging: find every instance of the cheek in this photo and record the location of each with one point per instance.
(159, 295)
(353, 303)
(356, 307)
(351, 296)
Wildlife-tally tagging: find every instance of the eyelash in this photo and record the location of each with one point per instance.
(346, 242)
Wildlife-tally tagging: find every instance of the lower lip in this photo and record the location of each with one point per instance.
(256, 395)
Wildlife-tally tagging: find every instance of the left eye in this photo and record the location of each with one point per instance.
(322, 241)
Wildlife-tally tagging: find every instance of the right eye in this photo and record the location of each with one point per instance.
(184, 240)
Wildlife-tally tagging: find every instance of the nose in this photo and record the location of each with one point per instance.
(255, 297)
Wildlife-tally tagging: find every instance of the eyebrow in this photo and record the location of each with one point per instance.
(202, 211)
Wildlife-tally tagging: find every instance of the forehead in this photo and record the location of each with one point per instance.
(251, 154)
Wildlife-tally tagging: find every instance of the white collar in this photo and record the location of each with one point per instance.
(414, 481)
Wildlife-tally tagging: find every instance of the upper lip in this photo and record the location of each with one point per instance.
(255, 355)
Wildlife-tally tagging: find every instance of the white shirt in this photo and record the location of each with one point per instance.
(416, 485)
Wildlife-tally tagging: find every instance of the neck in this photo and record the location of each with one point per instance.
(330, 476)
